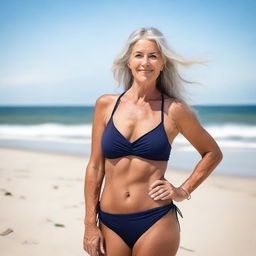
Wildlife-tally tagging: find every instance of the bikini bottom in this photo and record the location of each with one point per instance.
(130, 226)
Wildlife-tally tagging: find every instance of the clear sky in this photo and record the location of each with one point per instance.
(60, 52)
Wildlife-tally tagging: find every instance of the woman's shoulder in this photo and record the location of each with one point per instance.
(179, 108)
(105, 100)
(103, 105)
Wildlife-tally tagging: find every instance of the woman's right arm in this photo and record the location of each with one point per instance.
(93, 180)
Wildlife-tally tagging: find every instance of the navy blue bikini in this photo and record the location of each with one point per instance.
(153, 145)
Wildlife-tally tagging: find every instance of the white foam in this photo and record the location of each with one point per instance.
(228, 136)
(232, 130)
(47, 132)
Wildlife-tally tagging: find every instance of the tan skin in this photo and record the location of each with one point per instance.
(135, 184)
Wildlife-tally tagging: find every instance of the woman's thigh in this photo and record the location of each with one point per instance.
(162, 238)
(113, 244)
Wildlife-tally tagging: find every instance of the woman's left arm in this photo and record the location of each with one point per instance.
(187, 124)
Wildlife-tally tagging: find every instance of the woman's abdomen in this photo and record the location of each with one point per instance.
(120, 197)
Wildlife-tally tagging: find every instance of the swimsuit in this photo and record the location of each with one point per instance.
(130, 226)
(153, 145)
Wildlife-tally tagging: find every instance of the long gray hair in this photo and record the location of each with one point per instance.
(169, 81)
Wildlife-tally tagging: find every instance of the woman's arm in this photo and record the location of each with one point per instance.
(187, 124)
(95, 169)
(93, 239)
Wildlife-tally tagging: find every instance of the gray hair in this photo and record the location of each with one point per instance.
(169, 81)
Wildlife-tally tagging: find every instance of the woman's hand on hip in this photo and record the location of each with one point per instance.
(163, 190)
(93, 241)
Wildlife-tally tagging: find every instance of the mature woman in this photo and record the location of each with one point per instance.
(131, 143)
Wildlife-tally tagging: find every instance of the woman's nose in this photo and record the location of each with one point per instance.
(145, 60)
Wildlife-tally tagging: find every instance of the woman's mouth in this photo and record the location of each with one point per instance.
(145, 71)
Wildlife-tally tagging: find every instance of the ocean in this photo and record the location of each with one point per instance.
(67, 129)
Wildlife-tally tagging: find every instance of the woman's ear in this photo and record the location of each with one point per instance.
(128, 64)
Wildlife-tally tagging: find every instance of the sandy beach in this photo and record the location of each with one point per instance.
(42, 208)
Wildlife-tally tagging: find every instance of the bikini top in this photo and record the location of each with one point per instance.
(153, 145)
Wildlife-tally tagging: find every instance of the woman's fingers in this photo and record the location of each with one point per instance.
(156, 183)
(166, 197)
(90, 248)
(102, 245)
(162, 195)
(160, 189)
(94, 250)
(93, 241)
(156, 189)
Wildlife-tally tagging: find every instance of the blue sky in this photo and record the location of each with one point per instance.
(60, 52)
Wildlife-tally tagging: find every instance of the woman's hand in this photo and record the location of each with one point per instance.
(93, 241)
(163, 190)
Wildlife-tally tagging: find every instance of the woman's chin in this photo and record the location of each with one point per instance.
(144, 79)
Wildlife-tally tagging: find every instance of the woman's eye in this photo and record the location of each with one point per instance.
(151, 56)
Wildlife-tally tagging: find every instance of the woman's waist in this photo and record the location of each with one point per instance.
(127, 199)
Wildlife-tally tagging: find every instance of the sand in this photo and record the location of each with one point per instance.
(42, 208)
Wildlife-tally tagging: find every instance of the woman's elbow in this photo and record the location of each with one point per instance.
(215, 155)
(218, 155)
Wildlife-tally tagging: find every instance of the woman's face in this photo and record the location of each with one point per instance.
(145, 61)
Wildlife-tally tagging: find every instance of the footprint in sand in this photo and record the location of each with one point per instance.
(6, 232)
(30, 242)
(7, 193)
(186, 249)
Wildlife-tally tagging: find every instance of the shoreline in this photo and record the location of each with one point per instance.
(233, 163)
(41, 196)
(86, 156)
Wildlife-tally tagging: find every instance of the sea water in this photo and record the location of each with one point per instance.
(67, 129)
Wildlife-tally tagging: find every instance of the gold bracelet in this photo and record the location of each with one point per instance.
(187, 193)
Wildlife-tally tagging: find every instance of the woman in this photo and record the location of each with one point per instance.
(131, 143)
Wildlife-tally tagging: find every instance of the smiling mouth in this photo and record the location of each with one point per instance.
(145, 70)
